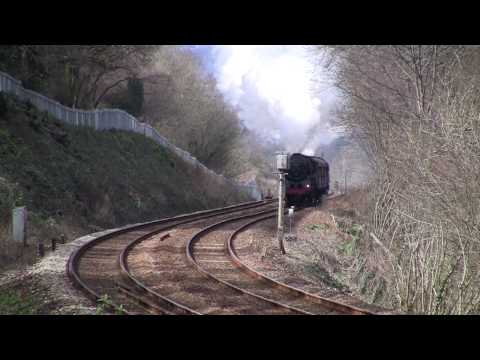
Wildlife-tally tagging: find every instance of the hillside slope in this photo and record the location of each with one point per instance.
(77, 180)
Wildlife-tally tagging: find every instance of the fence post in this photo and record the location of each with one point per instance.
(41, 248)
(19, 222)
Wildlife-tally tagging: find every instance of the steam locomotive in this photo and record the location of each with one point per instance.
(307, 180)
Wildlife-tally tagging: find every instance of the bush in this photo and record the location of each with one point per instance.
(10, 197)
(3, 104)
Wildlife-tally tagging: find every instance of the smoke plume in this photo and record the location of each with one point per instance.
(277, 91)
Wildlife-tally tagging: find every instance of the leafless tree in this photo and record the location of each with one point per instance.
(77, 75)
(415, 110)
(94, 70)
(185, 104)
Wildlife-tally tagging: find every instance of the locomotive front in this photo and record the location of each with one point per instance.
(307, 180)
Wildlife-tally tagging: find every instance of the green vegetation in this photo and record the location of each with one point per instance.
(164, 85)
(317, 227)
(89, 179)
(15, 302)
(355, 231)
(108, 178)
(130, 99)
(316, 270)
(348, 248)
(3, 105)
(105, 305)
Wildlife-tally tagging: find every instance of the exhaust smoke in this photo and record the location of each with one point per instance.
(277, 90)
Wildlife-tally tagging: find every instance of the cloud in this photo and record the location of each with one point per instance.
(273, 89)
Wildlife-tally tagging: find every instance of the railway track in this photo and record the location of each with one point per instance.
(162, 269)
(289, 295)
(94, 268)
(212, 251)
(189, 265)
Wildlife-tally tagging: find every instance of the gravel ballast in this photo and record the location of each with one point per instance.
(314, 262)
(47, 285)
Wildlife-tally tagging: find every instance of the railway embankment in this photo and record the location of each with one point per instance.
(75, 181)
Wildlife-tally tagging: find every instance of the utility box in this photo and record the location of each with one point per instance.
(19, 224)
(283, 162)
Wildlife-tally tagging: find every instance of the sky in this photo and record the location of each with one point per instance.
(277, 89)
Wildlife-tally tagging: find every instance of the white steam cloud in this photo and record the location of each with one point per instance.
(276, 91)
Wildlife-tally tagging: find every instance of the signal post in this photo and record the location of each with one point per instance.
(282, 165)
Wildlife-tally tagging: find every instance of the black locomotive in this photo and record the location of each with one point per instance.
(307, 180)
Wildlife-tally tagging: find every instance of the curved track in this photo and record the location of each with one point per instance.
(212, 252)
(298, 298)
(161, 269)
(94, 267)
(189, 265)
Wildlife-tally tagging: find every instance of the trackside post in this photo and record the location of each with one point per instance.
(282, 166)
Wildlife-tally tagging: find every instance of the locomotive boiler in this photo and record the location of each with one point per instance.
(307, 180)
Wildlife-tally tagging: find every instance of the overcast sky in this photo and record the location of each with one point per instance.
(272, 86)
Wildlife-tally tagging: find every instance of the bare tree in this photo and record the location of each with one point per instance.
(94, 70)
(186, 106)
(77, 75)
(415, 111)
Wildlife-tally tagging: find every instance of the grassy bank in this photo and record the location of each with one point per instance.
(76, 180)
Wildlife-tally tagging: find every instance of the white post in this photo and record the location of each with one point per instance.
(290, 218)
(281, 196)
(19, 222)
(282, 166)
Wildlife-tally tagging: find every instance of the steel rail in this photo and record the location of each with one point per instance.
(72, 268)
(163, 301)
(191, 258)
(330, 304)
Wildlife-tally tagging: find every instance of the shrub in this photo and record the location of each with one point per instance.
(3, 104)
(10, 197)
